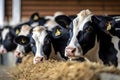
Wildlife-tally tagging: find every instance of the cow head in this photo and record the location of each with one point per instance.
(40, 43)
(59, 33)
(82, 35)
(7, 35)
(107, 24)
(21, 40)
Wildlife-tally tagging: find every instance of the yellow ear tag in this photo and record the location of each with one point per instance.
(23, 41)
(57, 32)
(35, 17)
(17, 31)
(109, 26)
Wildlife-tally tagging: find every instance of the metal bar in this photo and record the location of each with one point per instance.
(16, 12)
(2, 12)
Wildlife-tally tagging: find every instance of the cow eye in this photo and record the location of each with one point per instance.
(32, 44)
(47, 41)
(88, 29)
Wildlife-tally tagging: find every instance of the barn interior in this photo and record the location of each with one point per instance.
(14, 12)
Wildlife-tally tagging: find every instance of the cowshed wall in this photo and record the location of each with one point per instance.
(69, 7)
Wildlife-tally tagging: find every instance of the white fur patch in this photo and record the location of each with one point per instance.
(39, 34)
(50, 24)
(20, 49)
(34, 24)
(115, 41)
(25, 30)
(4, 33)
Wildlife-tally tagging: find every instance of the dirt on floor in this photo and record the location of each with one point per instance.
(59, 70)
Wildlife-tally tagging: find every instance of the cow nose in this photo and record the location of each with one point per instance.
(70, 51)
(2, 51)
(18, 54)
(39, 59)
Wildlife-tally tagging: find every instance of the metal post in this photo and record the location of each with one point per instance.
(2, 12)
(16, 12)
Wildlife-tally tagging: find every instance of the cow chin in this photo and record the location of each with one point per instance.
(79, 59)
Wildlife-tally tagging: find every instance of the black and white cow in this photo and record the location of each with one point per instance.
(21, 50)
(86, 39)
(111, 27)
(8, 35)
(74, 49)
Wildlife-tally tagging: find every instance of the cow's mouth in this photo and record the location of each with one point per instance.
(79, 59)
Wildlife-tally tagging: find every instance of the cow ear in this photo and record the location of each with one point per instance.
(17, 30)
(22, 40)
(35, 17)
(63, 20)
(95, 19)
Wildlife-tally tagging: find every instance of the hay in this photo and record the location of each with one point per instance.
(59, 70)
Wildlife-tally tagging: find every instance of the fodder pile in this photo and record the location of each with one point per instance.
(58, 70)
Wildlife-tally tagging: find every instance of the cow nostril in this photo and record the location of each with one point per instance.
(39, 59)
(18, 53)
(70, 49)
(2, 51)
(74, 49)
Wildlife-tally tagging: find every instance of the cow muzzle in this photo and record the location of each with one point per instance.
(18, 54)
(70, 51)
(39, 59)
(2, 51)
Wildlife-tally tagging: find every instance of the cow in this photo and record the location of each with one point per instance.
(74, 50)
(87, 40)
(7, 34)
(111, 26)
(20, 50)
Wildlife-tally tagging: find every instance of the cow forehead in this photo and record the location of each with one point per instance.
(50, 24)
(82, 17)
(4, 32)
(25, 30)
(39, 29)
(39, 35)
(78, 23)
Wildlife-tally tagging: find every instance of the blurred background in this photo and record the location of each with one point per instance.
(69, 7)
